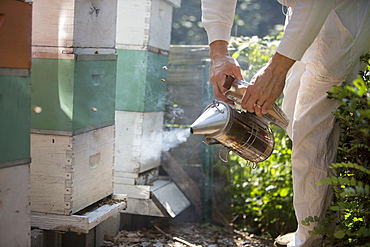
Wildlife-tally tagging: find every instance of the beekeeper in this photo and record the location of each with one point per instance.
(321, 47)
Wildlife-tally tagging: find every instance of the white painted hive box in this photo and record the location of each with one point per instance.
(74, 23)
(143, 23)
(69, 173)
(138, 141)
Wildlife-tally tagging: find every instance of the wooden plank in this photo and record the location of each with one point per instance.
(166, 201)
(183, 180)
(118, 173)
(170, 197)
(144, 178)
(144, 207)
(76, 223)
(133, 191)
(14, 72)
(121, 180)
(15, 228)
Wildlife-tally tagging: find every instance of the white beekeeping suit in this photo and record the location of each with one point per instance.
(326, 39)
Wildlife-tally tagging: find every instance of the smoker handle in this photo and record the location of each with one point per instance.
(229, 81)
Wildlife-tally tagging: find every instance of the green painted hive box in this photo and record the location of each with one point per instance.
(14, 120)
(73, 95)
(141, 81)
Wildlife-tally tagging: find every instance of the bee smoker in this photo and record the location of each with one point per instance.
(240, 131)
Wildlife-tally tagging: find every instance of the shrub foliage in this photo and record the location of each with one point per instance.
(347, 222)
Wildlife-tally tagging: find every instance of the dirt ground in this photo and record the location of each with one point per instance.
(177, 234)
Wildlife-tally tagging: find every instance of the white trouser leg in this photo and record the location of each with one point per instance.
(331, 59)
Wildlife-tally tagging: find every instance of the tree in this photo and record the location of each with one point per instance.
(252, 17)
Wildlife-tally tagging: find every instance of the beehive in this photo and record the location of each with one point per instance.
(63, 25)
(15, 46)
(69, 173)
(152, 25)
(76, 94)
(138, 141)
(15, 63)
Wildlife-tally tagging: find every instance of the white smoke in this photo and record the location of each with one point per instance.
(172, 138)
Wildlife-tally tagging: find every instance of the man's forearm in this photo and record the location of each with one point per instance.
(218, 18)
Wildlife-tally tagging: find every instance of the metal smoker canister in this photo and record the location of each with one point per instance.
(240, 132)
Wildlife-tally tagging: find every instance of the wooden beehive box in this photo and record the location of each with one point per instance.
(138, 141)
(152, 25)
(75, 94)
(15, 227)
(73, 24)
(69, 173)
(15, 33)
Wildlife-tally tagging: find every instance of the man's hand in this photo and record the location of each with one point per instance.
(267, 85)
(221, 66)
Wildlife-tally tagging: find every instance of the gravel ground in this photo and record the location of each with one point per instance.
(177, 234)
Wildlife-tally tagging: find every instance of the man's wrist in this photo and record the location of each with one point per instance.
(280, 64)
(218, 48)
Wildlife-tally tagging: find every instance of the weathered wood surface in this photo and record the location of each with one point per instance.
(133, 191)
(69, 23)
(151, 25)
(69, 173)
(15, 227)
(169, 196)
(138, 141)
(76, 223)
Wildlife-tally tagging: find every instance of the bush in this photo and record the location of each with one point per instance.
(262, 197)
(349, 213)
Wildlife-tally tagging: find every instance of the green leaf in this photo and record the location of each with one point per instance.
(367, 190)
(339, 234)
(335, 208)
(284, 192)
(361, 87)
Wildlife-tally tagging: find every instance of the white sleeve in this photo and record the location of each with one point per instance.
(306, 21)
(218, 18)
